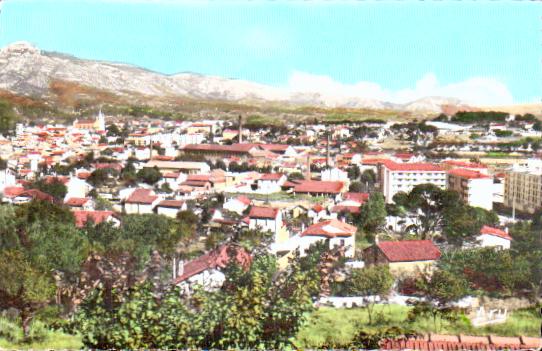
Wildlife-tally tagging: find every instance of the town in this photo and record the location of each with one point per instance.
(330, 234)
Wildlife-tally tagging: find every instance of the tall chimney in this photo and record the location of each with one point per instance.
(308, 172)
(240, 129)
(327, 148)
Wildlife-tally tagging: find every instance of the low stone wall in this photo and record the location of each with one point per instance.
(511, 303)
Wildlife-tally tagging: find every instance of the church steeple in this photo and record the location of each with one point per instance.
(100, 121)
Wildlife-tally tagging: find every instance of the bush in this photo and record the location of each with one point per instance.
(10, 331)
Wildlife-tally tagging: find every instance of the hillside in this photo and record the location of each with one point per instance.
(47, 83)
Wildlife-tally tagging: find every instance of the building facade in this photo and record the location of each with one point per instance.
(397, 177)
(523, 187)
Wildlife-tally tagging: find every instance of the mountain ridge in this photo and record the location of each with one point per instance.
(28, 71)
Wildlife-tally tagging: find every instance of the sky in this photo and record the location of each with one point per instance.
(482, 52)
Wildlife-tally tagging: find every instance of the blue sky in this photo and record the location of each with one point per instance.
(487, 52)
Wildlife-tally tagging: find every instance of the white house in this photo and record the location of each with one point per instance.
(205, 271)
(270, 183)
(266, 219)
(77, 187)
(475, 188)
(334, 174)
(238, 204)
(397, 177)
(141, 201)
(170, 208)
(7, 178)
(339, 234)
(493, 237)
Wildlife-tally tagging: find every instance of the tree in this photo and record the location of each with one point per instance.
(373, 213)
(52, 186)
(428, 203)
(100, 176)
(257, 306)
(166, 188)
(368, 177)
(488, 269)
(355, 187)
(353, 172)
(23, 286)
(38, 254)
(439, 288)
(7, 117)
(113, 130)
(149, 175)
(370, 282)
(527, 244)
(463, 223)
(295, 176)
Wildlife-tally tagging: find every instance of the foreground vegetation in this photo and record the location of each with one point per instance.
(333, 327)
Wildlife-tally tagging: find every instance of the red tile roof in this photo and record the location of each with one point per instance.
(359, 197)
(263, 212)
(97, 217)
(141, 196)
(243, 199)
(271, 176)
(464, 164)
(409, 250)
(76, 201)
(343, 208)
(13, 191)
(461, 342)
(171, 203)
(331, 228)
(218, 258)
(413, 167)
(234, 148)
(36, 194)
(83, 175)
(495, 232)
(467, 173)
(318, 208)
(318, 187)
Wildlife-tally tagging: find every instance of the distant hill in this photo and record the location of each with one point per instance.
(29, 72)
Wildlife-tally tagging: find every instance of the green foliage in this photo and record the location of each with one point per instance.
(101, 176)
(503, 133)
(370, 281)
(256, 308)
(439, 289)
(295, 176)
(355, 187)
(51, 186)
(436, 210)
(329, 328)
(45, 211)
(7, 117)
(479, 117)
(488, 269)
(149, 175)
(462, 223)
(527, 244)
(373, 213)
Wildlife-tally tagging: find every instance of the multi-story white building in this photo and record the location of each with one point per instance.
(397, 177)
(475, 188)
(523, 186)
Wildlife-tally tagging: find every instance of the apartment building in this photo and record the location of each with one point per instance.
(523, 186)
(475, 188)
(396, 177)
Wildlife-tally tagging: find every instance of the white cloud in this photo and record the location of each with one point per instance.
(475, 90)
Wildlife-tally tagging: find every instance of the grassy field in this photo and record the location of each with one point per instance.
(11, 337)
(325, 327)
(336, 327)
